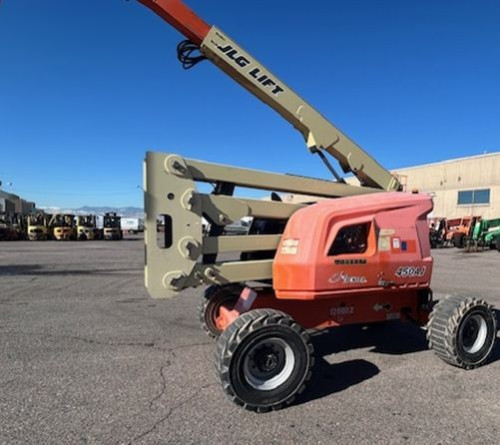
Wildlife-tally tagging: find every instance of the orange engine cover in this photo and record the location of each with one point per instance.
(356, 245)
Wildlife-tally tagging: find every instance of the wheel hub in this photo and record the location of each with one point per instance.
(470, 332)
(268, 364)
(474, 333)
(267, 360)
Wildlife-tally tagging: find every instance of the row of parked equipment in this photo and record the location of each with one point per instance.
(472, 233)
(61, 226)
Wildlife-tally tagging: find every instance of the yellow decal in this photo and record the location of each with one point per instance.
(290, 247)
(384, 243)
(387, 232)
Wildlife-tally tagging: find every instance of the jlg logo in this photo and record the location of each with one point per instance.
(254, 72)
(342, 277)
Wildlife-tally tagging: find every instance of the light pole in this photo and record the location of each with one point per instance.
(8, 184)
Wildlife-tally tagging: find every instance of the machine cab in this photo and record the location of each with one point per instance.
(352, 245)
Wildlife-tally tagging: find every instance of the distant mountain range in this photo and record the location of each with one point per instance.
(127, 212)
(123, 211)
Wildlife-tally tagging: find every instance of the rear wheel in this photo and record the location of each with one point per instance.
(213, 298)
(462, 331)
(458, 240)
(264, 360)
(498, 243)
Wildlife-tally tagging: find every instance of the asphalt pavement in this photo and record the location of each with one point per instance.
(87, 357)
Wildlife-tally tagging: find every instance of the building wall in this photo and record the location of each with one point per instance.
(444, 180)
(7, 206)
(26, 207)
(11, 203)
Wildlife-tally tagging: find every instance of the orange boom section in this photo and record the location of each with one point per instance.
(354, 246)
(180, 17)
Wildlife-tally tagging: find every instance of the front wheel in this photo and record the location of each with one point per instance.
(264, 359)
(462, 331)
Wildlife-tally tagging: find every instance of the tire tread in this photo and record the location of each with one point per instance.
(443, 325)
(243, 326)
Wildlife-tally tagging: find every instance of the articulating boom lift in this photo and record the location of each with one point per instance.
(318, 132)
(362, 258)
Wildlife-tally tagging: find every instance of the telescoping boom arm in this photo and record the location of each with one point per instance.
(318, 132)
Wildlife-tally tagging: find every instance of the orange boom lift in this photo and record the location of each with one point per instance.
(361, 258)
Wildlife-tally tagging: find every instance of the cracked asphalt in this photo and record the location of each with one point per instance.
(87, 357)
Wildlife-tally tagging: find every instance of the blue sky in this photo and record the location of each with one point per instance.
(87, 87)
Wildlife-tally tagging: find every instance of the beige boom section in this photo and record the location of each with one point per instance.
(318, 132)
(181, 255)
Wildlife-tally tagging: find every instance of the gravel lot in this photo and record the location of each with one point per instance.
(87, 357)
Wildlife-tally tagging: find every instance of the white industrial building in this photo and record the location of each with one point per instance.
(10, 203)
(459, 187)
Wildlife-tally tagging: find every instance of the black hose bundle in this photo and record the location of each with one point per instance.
(188, 54)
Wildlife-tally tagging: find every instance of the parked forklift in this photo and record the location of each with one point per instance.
(38, 226)
(19, 225)
(63, 226)
(12, 227)
(112, 227)
(361, 257)
(4, 227)
(86, 228)
(437, 232)
(486, 234)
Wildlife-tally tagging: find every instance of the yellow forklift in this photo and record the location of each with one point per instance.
(38, 226)
(86, 228)
(6, 232)
(12, 227)
(112, 229)
(63, 226)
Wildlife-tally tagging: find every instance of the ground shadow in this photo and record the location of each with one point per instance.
(329, 378)
(386, 338)
(392, 338)
(495, 354)
(38, 270)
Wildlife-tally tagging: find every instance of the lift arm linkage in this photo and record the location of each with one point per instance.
(173, 254)
(318, 132)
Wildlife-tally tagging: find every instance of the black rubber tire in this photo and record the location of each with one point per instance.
(458, 240)
(449, 320)
(242, 338)
(498, 243)
(432, 243)
(213, 298)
